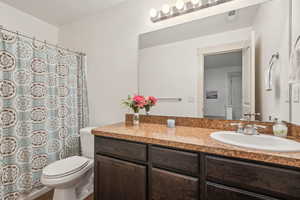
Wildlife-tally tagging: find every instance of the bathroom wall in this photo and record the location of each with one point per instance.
(217, 81)
(17, 20)
(110, 40)
(167, 65)
(272, 31)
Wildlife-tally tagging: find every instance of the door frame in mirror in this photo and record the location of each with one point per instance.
(213, 50)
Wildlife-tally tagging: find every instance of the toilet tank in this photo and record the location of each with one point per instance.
(87, 142)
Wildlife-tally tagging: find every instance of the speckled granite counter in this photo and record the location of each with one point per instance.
(192, 138)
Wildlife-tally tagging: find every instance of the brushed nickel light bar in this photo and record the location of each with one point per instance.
(182, 8)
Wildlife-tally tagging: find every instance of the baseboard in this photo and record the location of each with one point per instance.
(36, 193)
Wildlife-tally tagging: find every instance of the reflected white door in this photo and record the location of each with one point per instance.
(236, 92)
(249, 76)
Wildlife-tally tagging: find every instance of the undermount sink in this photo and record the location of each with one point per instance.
(258, 142)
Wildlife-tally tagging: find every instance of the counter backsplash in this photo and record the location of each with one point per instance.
(294, 130)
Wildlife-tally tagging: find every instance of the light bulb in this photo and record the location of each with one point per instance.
(195, 2)
(200, 3)
(211, 1)
(153, 13)
(180, 5)
(166, 9)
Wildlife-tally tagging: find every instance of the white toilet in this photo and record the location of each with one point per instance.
(72, 178)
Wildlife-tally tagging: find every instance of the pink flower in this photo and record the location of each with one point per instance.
(139, 101)
(151, 100)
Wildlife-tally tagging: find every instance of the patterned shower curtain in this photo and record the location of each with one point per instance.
(43, 104)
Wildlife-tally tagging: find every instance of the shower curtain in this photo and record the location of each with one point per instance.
(43, 104)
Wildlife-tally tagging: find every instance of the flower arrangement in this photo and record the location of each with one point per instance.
(150, 102)
(135, 103)
(138, 102)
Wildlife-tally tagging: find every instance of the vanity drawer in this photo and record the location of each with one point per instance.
(173, 186)
(173, 159)
(220, 192)
(258, 178)
(121, 149)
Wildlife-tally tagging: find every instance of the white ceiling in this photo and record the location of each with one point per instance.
(233, 59)
(60, 12)
(198, 28)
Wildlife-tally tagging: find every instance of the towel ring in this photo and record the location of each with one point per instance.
(274, 56)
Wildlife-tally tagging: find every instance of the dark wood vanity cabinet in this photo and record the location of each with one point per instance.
(173, 186)
(134, 171)
(119, 180)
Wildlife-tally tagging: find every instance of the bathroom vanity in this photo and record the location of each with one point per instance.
(156, 163)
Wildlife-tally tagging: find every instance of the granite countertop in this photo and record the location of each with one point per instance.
(194, 139)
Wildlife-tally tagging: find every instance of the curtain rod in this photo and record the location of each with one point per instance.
(34, 39)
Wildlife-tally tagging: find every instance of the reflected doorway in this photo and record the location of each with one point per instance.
(223, 85)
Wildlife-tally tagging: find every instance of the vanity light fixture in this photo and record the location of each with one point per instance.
(196, 3)
(212, 1)
(182, 7)
(166, 9)
(153, 13)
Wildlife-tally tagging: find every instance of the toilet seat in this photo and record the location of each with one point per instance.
(65, 167)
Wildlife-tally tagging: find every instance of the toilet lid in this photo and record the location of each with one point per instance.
(65, 167)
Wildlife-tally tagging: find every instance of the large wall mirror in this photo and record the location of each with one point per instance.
(295, 60)
(222, 66)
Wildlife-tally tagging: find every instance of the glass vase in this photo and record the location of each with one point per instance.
(147, 109)
(136, 119)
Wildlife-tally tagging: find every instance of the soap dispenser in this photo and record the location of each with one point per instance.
(280, 129)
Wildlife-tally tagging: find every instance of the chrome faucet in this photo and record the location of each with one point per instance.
(250, 116)
(240, 127)
(248, 129)
(252, 129)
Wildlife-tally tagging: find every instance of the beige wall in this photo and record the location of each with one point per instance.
(110, 40)
(17, 20)
(272, 31)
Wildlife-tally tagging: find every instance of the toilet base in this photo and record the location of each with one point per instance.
(67, 193)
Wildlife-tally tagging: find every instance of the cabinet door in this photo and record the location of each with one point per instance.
(119, 180)
(172, 186)
(220, 192)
